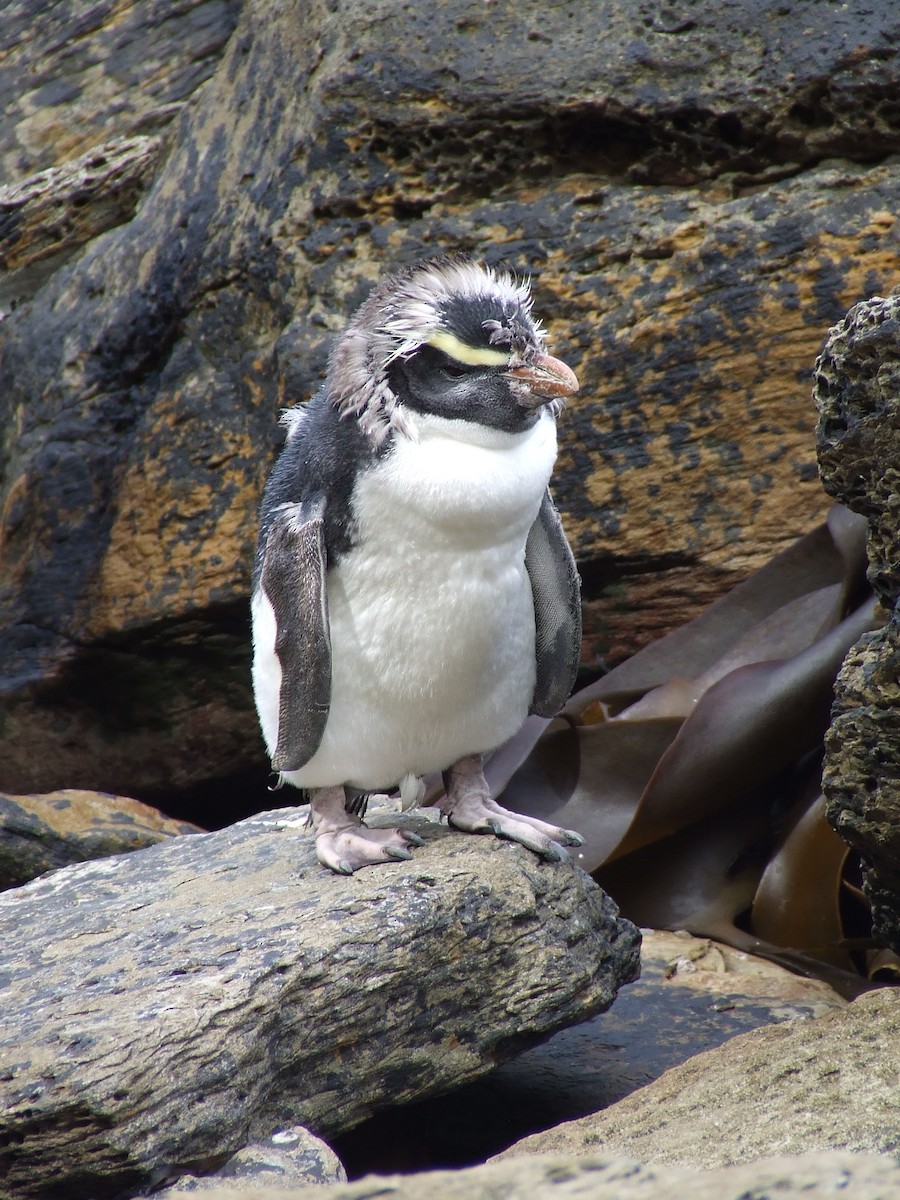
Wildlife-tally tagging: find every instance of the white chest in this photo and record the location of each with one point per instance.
(431, 616)
(459, 490)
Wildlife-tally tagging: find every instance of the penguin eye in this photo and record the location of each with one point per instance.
(454, 370)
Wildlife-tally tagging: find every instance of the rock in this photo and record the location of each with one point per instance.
(697, 199)
(693, 994)
(290, 1158)
(41, 833)
(857, 393)
(166, 1008)
(603, 1177)
(90, 71)
(796, 1088)
(730, 978)
(49, 216)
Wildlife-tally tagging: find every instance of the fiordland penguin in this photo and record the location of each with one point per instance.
(414, 596)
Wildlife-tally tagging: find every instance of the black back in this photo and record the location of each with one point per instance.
(321, 460)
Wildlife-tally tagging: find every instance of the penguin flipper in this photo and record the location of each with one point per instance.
(292, 577)
(556, 591)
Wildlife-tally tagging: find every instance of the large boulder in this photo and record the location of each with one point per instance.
(698, 195)
(164, 1008)
(857, 391)
(802, 1087)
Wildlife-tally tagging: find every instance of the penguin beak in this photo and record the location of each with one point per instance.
(546, 378)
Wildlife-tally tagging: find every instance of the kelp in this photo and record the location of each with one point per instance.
(693, 768)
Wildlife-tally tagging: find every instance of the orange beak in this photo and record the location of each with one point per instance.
(547, 378)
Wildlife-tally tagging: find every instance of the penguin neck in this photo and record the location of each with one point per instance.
(460, 480)
(424, 427)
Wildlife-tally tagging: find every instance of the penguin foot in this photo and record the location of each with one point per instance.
(468, 805)
(344, 844)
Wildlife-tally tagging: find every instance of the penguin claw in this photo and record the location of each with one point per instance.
(346, 850)
(413, 838)
(555, 853)
(468, 805)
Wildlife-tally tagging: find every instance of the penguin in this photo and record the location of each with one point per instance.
(414, 595)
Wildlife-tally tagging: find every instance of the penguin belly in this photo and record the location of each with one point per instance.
(431, 612)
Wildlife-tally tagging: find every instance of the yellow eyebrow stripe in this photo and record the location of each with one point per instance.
(472, 356)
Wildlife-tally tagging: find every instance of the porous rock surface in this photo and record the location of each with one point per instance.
(604, 1177)
(828, 1083)
(857, 392)
(163, 1009)
(699, 190)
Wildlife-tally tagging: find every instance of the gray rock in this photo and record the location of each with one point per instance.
(164, 1009)
(289, 1158)
(603, 1177)
(697, 192)
(51, 215)
(802, 1087)
(693, 994)
(857, 393)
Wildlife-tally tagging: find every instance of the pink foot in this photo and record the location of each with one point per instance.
(344, 844)
(468, 805)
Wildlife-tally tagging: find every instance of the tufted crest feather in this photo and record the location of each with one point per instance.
(401, 315)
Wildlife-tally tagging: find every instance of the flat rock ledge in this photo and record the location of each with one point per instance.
(802, 1087)
(602, 1177)
(165, 1008)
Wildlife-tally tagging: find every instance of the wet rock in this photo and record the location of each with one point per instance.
(857, 393)
(697, 199)
(166, 1008)
(801, 1087)
(604, 1177)
(41, 833)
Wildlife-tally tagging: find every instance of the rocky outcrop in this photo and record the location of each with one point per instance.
(857, 392)
(801, 1087)
(604, 1177)
(697, 194)
(165, 1008)
(42, 833)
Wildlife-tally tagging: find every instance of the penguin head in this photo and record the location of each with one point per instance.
(449, 337)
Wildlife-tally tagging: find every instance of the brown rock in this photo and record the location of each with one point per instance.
(87, 72)
(666, 188)
(857, 392)
(677, 960)
(802, 1087)
(42, 833)
(45, 219)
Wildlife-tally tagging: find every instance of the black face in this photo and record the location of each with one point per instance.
(430, 381)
